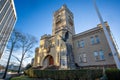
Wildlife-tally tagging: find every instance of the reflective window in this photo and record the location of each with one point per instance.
(82, 44)
(78, 44)
(92, 41)
(2, 2)
(101, 53)
(97, 39)
(96, 55)
(4, 11)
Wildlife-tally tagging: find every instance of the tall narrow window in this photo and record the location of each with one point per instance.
(63, 62)
(84, 58)
(97, 39)
(96, 55)
(78, 44)
(92, 41)
(101, 53)
(80, 58)
(58, 42)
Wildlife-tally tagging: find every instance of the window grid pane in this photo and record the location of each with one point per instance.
(92, 40)
(101, 53)
(96, 55)
(84, 58)
(97, 39)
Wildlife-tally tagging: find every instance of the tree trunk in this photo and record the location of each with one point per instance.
(19, 69)
(8, 61)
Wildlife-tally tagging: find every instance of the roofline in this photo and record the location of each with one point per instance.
(86, 32)
(99, 26)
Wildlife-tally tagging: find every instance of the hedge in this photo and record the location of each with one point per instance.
(82, 74)
(113, 74)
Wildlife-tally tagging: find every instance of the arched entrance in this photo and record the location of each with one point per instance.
(48, 60)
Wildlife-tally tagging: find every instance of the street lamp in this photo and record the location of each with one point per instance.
(112, 47)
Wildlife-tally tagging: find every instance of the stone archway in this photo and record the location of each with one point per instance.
(48, 60)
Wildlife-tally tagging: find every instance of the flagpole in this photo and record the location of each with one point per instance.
(112, 47)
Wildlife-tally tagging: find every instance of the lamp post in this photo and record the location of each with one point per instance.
(112, 47)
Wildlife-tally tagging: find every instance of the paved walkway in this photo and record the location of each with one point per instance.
(9, 75)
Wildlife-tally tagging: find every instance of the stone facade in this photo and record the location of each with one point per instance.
(67, 50)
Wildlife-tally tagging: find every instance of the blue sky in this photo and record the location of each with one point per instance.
(35, 16)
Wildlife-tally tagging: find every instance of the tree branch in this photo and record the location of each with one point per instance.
(16, 58)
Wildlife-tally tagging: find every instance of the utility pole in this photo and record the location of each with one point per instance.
(112, 47)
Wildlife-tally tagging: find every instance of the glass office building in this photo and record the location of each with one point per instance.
(7, 22)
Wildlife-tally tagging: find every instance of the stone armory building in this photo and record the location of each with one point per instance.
(66, 49)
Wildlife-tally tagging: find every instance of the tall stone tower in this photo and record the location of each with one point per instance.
(56, 49)
(63, 23)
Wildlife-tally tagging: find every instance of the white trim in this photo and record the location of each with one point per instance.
(109, 39)
(14, 8)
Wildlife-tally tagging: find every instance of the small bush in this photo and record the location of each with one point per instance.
(113, 74)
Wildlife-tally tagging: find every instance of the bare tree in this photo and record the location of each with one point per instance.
(19, 59)
(23, 42)
(13, 43)
(27, 42)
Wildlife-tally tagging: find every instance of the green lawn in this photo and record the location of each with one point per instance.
(27, 78)
(22, 78)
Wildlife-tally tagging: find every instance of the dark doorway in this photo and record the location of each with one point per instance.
(51, 61)
(48, 60)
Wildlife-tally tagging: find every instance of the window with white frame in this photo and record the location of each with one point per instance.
(84, 58)
(97, 39)
(96, 54)
(80, 44)
(101, 53)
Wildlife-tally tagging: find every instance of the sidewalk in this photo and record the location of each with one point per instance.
(8, 76)
(5, 79)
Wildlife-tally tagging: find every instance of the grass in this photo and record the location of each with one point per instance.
(22, 78)
(27, 78)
